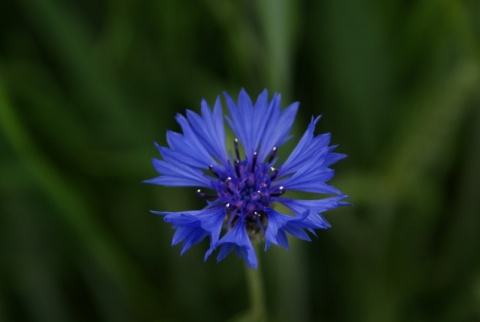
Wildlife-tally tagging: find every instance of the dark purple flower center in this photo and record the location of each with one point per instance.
(246, 189)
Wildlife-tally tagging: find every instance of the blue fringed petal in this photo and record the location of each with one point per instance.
(237, 238)
(280, 224)
(193, 226)
(179, 175)
(309, 180)
(210, 129)
(278, 127)
(262, 125)
(299, 206)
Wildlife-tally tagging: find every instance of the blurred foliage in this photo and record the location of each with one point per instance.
(86, 87)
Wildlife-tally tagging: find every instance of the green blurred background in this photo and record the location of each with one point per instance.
(86, 87)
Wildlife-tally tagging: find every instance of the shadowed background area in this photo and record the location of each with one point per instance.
(86, 87)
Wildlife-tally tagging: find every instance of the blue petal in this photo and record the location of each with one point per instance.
(193, 226)
(332, 158)
(261, 118)
(316, 206)
(317, 221)
(279, 224)
(241, 118)
(178, 174)
(308, 148)
(261, 126)
(188, 235)
(237, 238)
(274, 226)
(278, 127)
(310, 180)
(192, 143)
(210, 129)
(181, 233)
(313, 209)
(224, 251)
(172, 157)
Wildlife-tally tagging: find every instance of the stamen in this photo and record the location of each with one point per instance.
(227, 185)
(254, 161)
(260, 194)
(237, 168)
(259, 223)
(212, 170)
(281, 190)
(237, 150)
(274, 174)
(205, 195)
(272, 154)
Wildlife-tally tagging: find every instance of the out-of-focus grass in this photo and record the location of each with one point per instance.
(86, 87)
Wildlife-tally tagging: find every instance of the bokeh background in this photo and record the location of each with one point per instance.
(86, 87)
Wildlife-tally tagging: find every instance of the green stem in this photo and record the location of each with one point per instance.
(257, 295)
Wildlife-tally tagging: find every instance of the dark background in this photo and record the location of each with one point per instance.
(86, 87)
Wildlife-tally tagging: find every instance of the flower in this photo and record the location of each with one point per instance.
(243, 185)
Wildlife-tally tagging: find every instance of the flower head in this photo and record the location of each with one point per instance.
(242, 185)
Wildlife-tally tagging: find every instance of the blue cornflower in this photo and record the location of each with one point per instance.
(243, 185)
